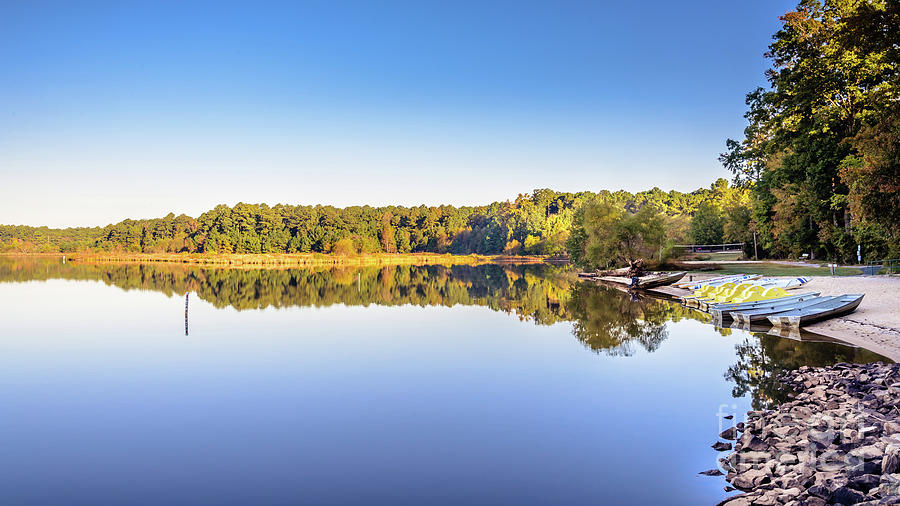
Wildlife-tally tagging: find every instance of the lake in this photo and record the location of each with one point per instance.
(397, 385)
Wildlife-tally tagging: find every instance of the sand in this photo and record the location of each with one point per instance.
(875, 325)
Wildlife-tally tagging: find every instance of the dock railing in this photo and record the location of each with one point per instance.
(711, 248)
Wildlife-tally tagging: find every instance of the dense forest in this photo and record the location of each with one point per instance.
(821, 152)
(537, 223)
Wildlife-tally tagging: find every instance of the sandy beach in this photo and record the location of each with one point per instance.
(875, 325)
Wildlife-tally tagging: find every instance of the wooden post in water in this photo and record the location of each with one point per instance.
(186, 296)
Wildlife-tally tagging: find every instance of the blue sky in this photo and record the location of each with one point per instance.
(113, 110)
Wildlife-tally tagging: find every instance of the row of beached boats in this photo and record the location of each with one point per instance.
(754, 300)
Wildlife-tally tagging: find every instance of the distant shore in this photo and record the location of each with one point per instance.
(294, 259)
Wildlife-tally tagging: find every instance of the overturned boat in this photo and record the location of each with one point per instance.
(723, 311)
(838, 306)
(762, 313)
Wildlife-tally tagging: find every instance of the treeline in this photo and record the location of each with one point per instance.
(539, 223)
(821, 153)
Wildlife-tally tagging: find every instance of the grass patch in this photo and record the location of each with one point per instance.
(720, 256)
(776, 269)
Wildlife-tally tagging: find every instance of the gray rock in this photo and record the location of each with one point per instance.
(756, 444)
(755, 457)
(750, 479)
(788, 458)
(711, 472)
(846, 495)
(864, 482)
(729, 433)
(770, 498)
(721, 447)
(869, 452)
(891, 461)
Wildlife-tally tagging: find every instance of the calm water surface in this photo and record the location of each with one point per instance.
(399, 385)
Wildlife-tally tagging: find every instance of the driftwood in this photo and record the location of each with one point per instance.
(623, 272)
(636, 268)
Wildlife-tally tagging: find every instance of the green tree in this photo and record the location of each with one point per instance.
(707, 225)
(834, 74)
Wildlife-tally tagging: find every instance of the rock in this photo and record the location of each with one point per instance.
(788, 458)
(828, 443)
(891, 461)
(870, 467)
(729, 433)
(728, 417)
(820, 491)
(711, 472)
(756, 444)
(750, 479)
(770, 498)
(870, 452)
(824, 438)
(721, 447)
(865, 431)
(755, 457)
(845, 495)
(738, 500)
(864, 482)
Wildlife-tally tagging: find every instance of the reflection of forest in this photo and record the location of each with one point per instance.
(610, 321)
(761, 360)
(534, 292)
(604, 320)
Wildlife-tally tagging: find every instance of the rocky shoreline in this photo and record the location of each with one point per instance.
(837, 441)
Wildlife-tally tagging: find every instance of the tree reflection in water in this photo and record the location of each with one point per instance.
(761, 358)
(607, 320)
(604, 320)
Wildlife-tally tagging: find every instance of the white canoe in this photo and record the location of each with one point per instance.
(839, 306)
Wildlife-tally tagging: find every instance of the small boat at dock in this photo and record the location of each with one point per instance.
(723, 311)
(762, 313)
(839, 306)
(652, 280)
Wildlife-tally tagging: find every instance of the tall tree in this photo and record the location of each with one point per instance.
(834, 71)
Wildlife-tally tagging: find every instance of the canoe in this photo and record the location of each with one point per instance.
(660, 280)
(735, 306)
(841, 305)
(723, 311)
(644, 282)
(761, 314)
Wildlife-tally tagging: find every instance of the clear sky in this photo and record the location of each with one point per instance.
(113, 110)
